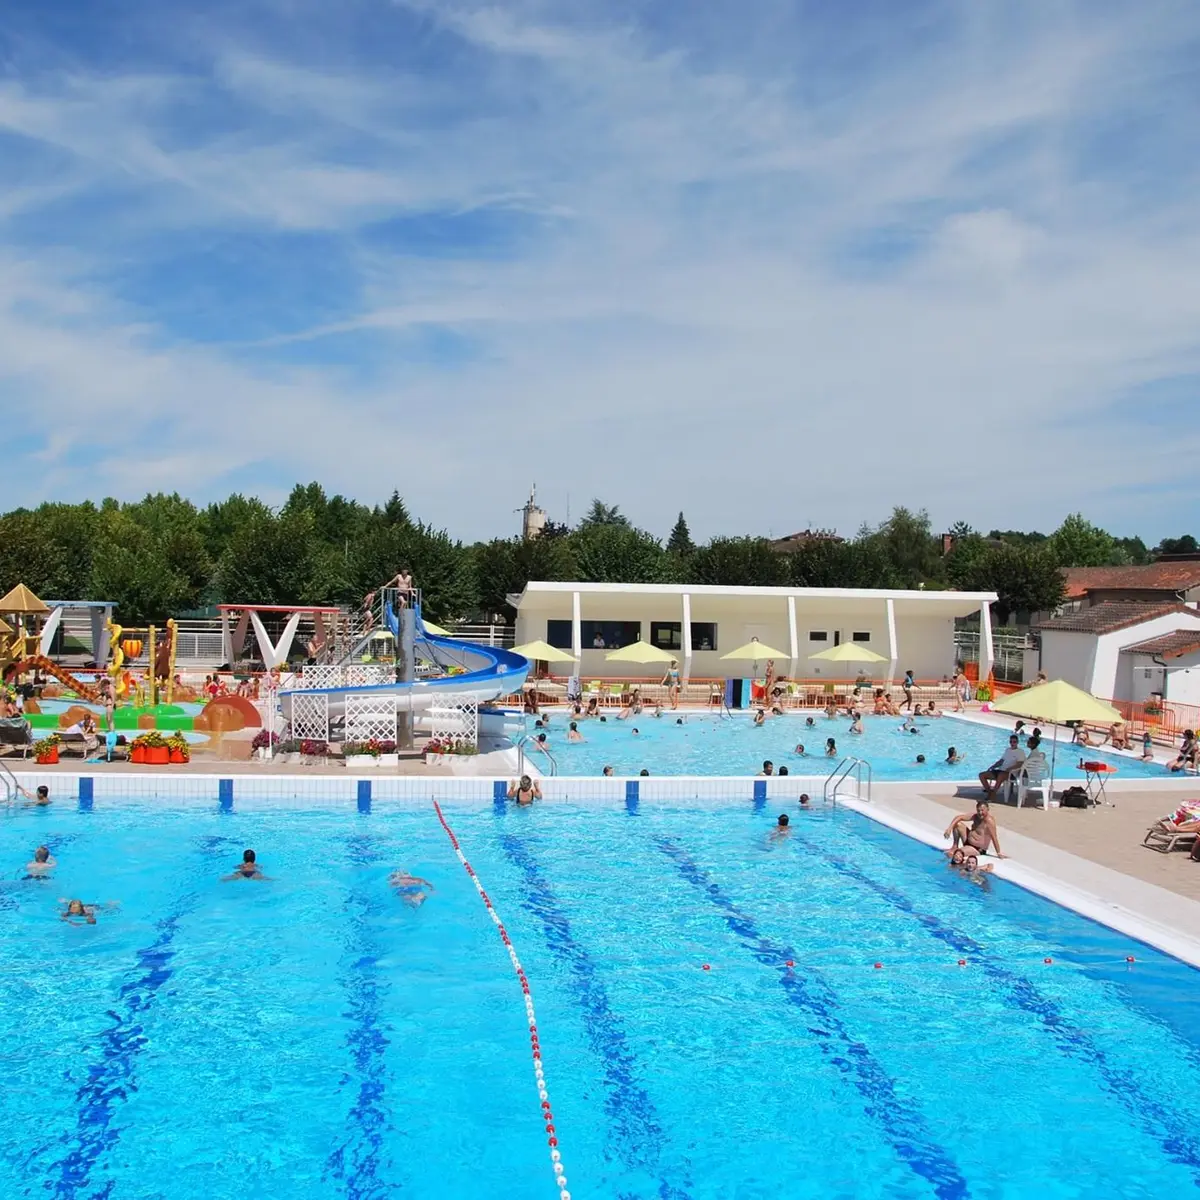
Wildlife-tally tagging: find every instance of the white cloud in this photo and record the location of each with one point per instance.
(689, 267)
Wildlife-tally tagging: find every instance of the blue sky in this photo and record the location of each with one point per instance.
(775, 264)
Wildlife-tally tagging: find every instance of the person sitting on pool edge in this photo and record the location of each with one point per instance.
(410, 888)
(1011, 760)
(524, 791)
(248, 868)
(975, 831)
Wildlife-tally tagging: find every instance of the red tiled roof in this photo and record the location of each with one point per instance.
(1159, 576)
(1108, 618)
(1168, 645)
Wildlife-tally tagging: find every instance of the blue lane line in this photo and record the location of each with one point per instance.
(631, 1113)
(357, 1161)
(110, 1080)
(1176, 1138)
(901, 1122)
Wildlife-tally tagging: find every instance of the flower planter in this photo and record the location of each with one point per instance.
(372, 762)
(48, 759)
(157, 756)
(137, 754)
(179, 756)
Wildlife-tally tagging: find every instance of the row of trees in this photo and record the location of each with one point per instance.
(165, 556)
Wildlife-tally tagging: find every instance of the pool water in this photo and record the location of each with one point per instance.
(312, 1037)
(711, 745)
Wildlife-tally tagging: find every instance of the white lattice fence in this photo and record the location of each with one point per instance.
(310, 717)
(322, 675)
(370, 716)
(456, 718)
(366, 675)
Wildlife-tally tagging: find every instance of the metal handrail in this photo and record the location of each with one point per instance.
(11, 786)
(525, 737)
(841, 772)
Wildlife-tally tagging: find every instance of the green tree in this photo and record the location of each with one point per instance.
(739, 561)
(1180, 545)
(1079, 543)
(613, 553)
(1027, 579)
(269, 560)
(962, 562)
(825, 563)
(604, 514)
(909, 546)
(680, 542)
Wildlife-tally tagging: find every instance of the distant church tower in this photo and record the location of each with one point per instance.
(533, 519)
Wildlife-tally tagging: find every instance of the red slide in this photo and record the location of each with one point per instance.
(39, 663)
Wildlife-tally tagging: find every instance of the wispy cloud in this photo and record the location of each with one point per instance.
(933, 257)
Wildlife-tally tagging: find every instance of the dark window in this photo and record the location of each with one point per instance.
(558, 634)
(704, 635)
(860, 637)
(666, 635)
(818, 635)
(608, 635)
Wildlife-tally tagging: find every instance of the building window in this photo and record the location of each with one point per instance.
(704, 635)
(861, 636)
(666, 635)
(558, 634)
(608, 635)
(818, 635)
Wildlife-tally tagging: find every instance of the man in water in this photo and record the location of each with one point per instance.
(768, 768)
(41, 866)
(782, 828)
(40, 799)
(1011, 760)
(974, 832)
(248, 868)
(803, 799)
(410, 888)
(524, 790)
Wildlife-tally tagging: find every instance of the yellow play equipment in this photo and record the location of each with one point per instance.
(160, 675)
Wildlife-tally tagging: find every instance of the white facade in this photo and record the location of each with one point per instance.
(910, 629)
(1179, 680)
(1095, 663)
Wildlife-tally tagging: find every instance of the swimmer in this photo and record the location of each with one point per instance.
(593, 708)
(41, 866)
(783, 770)
(760, 717)
(39, 799)
(830, 748)
(643, 772)
(856, 726)
(603, 719)
(831, 711)
(809, 723)
(910, 724)
(768, 768)
(608, 772)
(920, 759)
(248, 868)
(953, 757)
(680, 720)
(932, 710)
(634, 731)
(803, 799)
(78, 913)
(573, 734)
(781, 829)
(410, 888)
(800, 750)
(971, 867)
(541, 744)
(524, 790)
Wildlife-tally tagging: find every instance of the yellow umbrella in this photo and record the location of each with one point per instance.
(640, 652)
(1057, 703)
(849, 652)
(754, 651)
(22, 600)
(543, 652)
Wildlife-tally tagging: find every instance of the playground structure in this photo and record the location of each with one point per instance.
(127, 644)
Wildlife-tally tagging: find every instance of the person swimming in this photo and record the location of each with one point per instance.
(768, 768)
(783, 770)
(830, 748)
(41, 865)
(952, 756)
(782, 828)
(856, 726)
(410, 888)
(573, 734)
(39, 799)
(803, 799)
(608, 771)
(524, 790)
(760, 717)
(78, 913)
(809, 723)
(920, 759)
(248, 868)
(800, 750)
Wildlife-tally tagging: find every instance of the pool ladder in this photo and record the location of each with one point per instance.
(11, 786)
(546, 754)
(844, 770)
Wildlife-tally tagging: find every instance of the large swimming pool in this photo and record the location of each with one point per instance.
(710, 745)
(314, 1037)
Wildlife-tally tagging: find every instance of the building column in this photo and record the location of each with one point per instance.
(793, 640)
(576, 630)
(893, 646)
(987, 655)
(227, 655)
(687, 637)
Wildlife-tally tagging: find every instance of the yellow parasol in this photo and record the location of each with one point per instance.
(754, 651)
(640, 652)
(848, 652)
(543, 652)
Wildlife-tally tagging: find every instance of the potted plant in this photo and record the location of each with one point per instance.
(155, 750)
(45, 751)
(178, 748)
(375, 752)
(313, 748)
(262, 740)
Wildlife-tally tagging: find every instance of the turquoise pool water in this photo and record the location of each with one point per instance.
(313, 1037)
(710, 745)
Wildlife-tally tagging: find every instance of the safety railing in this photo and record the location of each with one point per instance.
(858, 767)
(11, 787)
(549, 756)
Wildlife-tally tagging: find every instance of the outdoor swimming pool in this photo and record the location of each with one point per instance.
(313, 1037)
(710, 745)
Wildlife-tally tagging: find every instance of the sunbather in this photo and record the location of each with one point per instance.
(1186, 758)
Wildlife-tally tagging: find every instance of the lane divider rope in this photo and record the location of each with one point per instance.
(560, 1177)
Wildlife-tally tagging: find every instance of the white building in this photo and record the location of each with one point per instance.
(1126, 650)
(913, 630)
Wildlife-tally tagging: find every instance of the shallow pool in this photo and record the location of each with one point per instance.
(312, 1037)
(710, 745)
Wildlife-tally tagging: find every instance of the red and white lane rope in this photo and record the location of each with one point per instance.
(560, 1176)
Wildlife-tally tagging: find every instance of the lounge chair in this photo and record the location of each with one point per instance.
(76, 742)
(15, 734)
(1181, 828)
